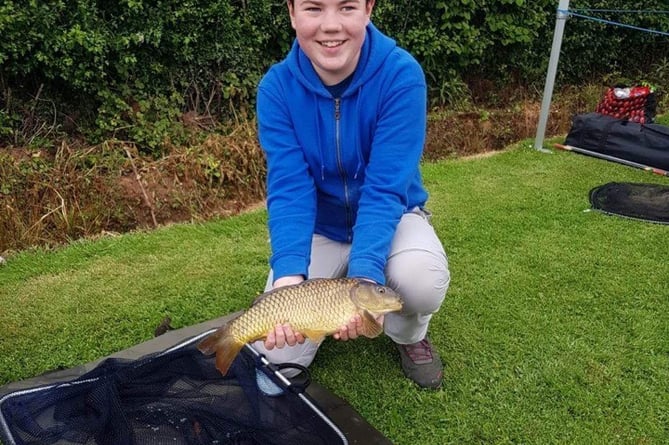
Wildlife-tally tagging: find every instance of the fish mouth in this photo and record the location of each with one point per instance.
(390, 308)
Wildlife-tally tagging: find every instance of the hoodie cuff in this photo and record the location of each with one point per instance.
(367, 270)
(289, 265)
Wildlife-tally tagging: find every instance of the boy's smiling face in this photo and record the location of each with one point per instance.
(331, 34)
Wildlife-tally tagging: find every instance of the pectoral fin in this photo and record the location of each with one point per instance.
(370, 328)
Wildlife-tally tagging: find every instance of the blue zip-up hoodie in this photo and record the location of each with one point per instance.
(346, 168)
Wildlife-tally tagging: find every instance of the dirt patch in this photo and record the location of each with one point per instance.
(465, 134)
(50, 197)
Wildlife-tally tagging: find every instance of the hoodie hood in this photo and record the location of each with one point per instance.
(346, 168)
(375, 49)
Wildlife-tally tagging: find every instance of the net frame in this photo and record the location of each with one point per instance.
(638, 201)
(288, 391)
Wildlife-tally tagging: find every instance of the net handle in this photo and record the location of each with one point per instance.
(295, 386)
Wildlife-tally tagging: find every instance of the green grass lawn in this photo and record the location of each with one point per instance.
(555, 329)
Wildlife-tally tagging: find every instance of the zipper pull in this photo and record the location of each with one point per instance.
(337, 103)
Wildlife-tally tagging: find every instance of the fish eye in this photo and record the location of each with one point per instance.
(382, 290)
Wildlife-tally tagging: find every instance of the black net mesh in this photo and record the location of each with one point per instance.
(648, 202)
(172, 398)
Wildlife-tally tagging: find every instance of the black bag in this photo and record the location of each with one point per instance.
(644, 144)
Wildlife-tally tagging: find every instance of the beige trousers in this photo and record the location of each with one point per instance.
(417, 268)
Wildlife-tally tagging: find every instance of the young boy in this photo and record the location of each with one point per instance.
(342, 121)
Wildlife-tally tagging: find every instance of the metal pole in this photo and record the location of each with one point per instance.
(560, 20)
(583, 151)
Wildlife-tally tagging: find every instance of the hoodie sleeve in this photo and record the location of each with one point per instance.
(393, 164)
(291, 197)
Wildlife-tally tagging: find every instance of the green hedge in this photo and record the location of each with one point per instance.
(130, 68)
(135, 69)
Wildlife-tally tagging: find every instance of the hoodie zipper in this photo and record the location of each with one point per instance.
(340, 167)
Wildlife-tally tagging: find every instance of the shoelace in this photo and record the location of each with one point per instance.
(420, 352)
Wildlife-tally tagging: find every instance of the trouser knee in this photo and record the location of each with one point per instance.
(421, 277)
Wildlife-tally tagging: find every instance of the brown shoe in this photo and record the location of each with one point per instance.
(421, 363)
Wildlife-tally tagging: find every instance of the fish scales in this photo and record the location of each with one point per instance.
(315, 308)
(315, 303)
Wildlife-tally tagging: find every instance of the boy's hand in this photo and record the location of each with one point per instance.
(287, 281)
(351, 330)
(281, 336)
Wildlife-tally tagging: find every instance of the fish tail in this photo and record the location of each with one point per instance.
(224, 345)
(210, 343)
(227, 353)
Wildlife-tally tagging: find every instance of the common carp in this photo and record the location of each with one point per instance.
(316, 307)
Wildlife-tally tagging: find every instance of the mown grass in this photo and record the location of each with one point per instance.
(555, 328)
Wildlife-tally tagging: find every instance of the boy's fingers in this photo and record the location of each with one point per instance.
(280, 336)
(290, 335)
(270, 341)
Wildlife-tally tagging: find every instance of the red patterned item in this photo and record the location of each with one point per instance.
(636, 104)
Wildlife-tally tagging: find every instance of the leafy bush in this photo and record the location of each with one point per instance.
(148, 72)
(593, 49)
(133, 67)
